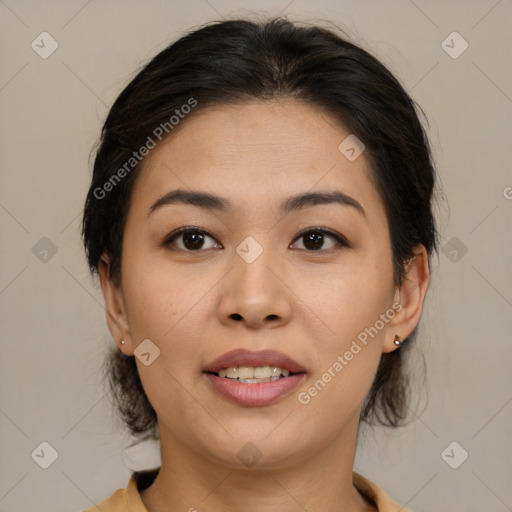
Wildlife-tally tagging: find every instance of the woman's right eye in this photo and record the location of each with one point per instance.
(188, 239)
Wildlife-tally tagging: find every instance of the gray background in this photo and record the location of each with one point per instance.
(53, 327)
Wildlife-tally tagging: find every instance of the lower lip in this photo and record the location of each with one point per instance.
(255, 395)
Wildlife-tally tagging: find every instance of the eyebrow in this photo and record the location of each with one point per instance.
(293, 203)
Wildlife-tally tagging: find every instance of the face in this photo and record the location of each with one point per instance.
(305, 281)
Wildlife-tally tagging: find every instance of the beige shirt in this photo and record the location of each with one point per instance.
(129, 500)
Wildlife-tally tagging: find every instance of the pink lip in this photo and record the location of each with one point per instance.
(255, 395)
(242, 357)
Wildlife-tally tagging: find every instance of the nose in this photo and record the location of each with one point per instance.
(255, 293)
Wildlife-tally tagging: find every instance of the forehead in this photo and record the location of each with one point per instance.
(256, 154)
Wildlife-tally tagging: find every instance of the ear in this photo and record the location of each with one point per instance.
(410, 296)
(115, 308)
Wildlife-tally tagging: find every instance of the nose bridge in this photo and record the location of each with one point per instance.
(252, 260)
(252, 291)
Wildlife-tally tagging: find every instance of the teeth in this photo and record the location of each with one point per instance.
(263, 372)
(231, 373)
(245, 372)
(255, 381)
(250, 374)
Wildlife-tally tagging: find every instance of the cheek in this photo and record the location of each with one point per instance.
(156, 296)
(354, 298)
(348, 356)
(168, 308)
(162, 307)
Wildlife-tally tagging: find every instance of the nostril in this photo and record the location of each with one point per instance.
(236, 316)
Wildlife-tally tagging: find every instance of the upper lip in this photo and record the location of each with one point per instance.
(242, 357)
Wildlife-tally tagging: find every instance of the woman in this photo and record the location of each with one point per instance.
(260, 218)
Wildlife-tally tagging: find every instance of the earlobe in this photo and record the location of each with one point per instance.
(411, 295)
(114, 307)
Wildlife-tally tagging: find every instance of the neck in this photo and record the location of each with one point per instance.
(321, 480)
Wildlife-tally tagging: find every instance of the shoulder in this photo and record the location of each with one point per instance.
(372, 491)
(128, 499)
(116, 503)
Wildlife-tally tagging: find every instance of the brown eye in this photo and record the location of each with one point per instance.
(315, 239)
(189, 239)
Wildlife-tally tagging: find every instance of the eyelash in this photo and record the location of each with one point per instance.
(340, 239)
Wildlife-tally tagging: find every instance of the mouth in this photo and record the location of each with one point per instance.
(254, 378)
(254, 375)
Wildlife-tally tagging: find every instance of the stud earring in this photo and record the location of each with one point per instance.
(122, 342)
(397, 341)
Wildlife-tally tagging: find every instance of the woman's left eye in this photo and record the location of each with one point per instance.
(193, 239)
(315, 237)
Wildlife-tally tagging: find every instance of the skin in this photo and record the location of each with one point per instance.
(308, 304)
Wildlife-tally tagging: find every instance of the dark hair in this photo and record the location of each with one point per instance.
(236, 61)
